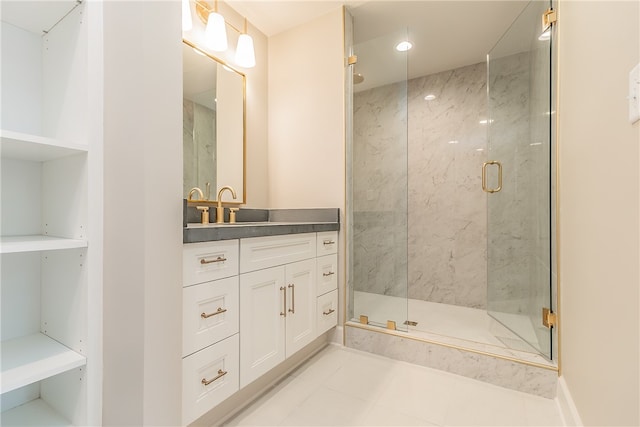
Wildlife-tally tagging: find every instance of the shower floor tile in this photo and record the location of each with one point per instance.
(362, 389)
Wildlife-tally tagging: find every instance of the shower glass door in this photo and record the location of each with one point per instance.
(519, 222)
(377, 184)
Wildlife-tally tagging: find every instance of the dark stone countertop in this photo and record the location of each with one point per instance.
(273, 223)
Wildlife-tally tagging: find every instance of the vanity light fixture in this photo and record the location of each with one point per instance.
(215, 32)
(187, 21)
(245, 55)
(404, 46)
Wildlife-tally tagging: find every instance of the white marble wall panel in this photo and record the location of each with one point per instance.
(483, 367)
(447, 208)
(408, 174)
(379, 191)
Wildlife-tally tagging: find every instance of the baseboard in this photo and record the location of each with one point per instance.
(336, 336)
(568, 409)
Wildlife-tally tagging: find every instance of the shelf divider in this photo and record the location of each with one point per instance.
(16, 145)
(35, 357)
(15, 244)
(35, 413)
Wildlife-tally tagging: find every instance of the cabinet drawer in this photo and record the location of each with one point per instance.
(218, 366)
(263, 252)
(210, 313)
(327, 276)
(203, 262)
(327, 312)
(327, 243)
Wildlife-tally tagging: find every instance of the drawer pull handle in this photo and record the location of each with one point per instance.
(326, 313)
(331, 273)
(328, 242)
(221, 374)
(219, 259)
(284, 300)
(219, 311)
(292, 310)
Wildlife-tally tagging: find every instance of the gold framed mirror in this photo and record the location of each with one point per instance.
(214, 127)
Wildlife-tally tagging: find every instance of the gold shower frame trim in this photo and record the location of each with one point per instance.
(453, 346)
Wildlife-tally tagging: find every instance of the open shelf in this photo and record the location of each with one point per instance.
(16, 145)
(15, 244)
(34, 413)
(32, 358)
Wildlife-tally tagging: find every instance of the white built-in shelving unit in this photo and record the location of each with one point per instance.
(50, 237)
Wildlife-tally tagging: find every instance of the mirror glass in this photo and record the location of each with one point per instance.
(213, 136)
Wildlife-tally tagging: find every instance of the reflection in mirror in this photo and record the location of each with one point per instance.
(213, 126)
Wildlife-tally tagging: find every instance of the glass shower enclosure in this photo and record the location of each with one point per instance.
(377, 195)
(517, 175)
(519, 222)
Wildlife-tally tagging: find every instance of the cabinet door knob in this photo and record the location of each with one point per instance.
(328, 242)
(328, 274)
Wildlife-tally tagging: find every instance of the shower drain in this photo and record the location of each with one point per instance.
(410, 323)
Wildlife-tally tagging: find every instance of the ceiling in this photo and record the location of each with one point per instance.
(446, 34)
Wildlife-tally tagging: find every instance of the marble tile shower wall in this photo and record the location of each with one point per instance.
(430, 152)
(419, 212)
(198, 145)
(447, 208)
(380, 191)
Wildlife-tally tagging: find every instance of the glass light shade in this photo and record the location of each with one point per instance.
(245, 56)
(216, 33)
(187, 22)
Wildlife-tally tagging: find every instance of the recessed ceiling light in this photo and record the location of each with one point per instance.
(485, 121)
(453, 141)
(479, 149)
(404, 46)
(533, 144)
(430, 97)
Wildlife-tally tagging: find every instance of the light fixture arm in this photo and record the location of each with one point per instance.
(203, 10)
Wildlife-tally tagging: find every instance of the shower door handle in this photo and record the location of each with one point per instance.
(484, 177)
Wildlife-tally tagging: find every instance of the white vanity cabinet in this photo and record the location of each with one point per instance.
(51, 237)
(248, 305)
(210, 325)
(278, 303)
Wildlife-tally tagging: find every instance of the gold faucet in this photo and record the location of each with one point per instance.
(220, 209)
(195, 190)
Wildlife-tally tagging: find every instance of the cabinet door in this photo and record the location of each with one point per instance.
(301, 306)
(262, 322)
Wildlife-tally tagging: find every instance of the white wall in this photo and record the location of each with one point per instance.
(306, 115)
(142, 213)
(599, 198)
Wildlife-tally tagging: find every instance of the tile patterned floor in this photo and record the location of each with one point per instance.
(344, 387)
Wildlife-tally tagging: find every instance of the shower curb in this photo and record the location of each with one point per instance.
(504, 372)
